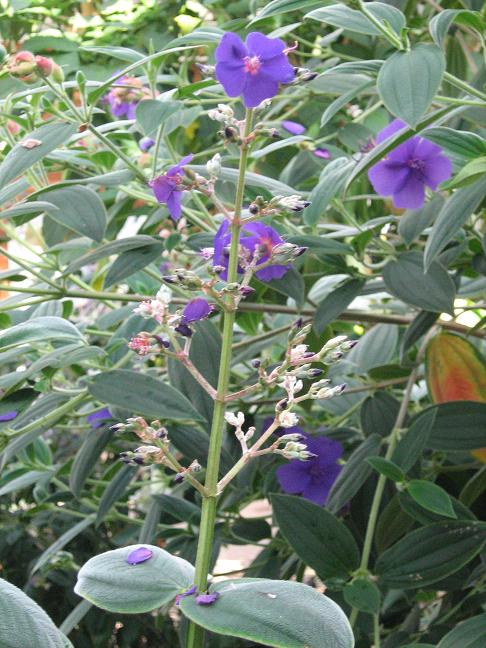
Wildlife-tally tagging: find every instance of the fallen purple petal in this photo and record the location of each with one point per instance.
(207, 599)
(322, 153)
(192, 590)
(293, 127)
(8, 416)
(139, 555)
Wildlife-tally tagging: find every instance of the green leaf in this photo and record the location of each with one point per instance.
(332, 180)
(415, 330)
(355, 472)
(413, 222)
(122, 53)
(336, 302)
(179, 508)
(379, 413)
(336, 105)
(24, 481)
(113, 247)
(440, 23)
(353, 20)
(387, 468)
(250, 607)
(318, 538)
(452, 217)
(39, 329)
(474, 170)
(276, 146)
(414, 440)
(425, 516)
(79, 209)
(141, 394)
(431, 497)
(114, 491)
(291, 284)
(61, 542)
(87, 456)
(151, 114)
(320, 244)
(375, 348)
(277, 7)
(23, 624)
(252, 179)
(467, 634)
(458, 145)
(458, 426)
(27, 208)
(408, 81)
(363, 595)
(433, 290)
(429, 554)
(132, 261)
(19, 159)
(112, 584)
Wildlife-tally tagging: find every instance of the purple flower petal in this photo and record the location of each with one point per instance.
(388, 177)
(322, 153)
(174, 204)
(231, 50)
(139, 555)
(392, 128)
(196, 309)
(294, 476)
(264, 47)
(8, 416)
(146, 144)
(232, 79)
(207, 599)
(411, 195)
(437, 169)
(258, 88)
(192, 590)
(177, 168)
(293, 127)
(97, 419)
(162, 187)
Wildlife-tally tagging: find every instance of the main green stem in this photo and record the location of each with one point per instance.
(195, 634)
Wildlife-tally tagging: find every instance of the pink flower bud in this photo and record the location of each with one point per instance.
(44, 65)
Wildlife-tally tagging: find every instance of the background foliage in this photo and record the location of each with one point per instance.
(84, 242)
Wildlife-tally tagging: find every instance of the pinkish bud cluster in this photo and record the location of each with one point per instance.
(29, 68)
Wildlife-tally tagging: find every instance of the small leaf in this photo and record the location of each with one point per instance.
(408, 81)
(453, 215)
(363, 595)
(39, 329)
(111, 583)
(115, 489)
(276, 146)
(248, 608)
(19, 159)
(387, 468)
(24, 624)
(474, 170)
(429, 554)
(277, 7)
(141, 394)
(319, 539)
(113, 247)
(252, 179)
(336, 105)
(122, 53)
(414, 440)
(379, 413)
(431, 497)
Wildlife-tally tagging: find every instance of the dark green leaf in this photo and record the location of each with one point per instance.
(336, 302)
(132, 261)
(468, 634)
(354, 474)
(336, 105)
(414, 440)
(433, 290)
(320, 244)
(458, 426)
(39, 329)
(114, 491)
(332, 180)
(87, 456)
(141, 394)
(440, 23)
(112, 584)
(152, 113)
(425, 516)
(429, 554)
(452, 217)
(413, 223)
(379, 413)
(375, 348)
(79, 209)
(363, 595)
(179, 508)
(61, 542)
(416, 329)
(277, 7)
(318, 538)
(248, 608)
(113, 247)
(353, 20)
(387, 468)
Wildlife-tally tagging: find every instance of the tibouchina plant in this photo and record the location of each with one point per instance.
(242, 278)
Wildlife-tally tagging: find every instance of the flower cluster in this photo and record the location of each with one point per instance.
(168, 187)
(29, 68)
(124, 97)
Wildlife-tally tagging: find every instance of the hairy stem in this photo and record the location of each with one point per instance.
(195, 634)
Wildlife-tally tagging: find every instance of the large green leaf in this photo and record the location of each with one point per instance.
(332, 180)
(375, 348)
(39, 329)
(142, 394)
(353, 20)
(277, 7)
(21, 158)
(429, 554)
(152, 113)
(62, 541)
(414, 440)
(113, 247)
(433, 290)
(440, 23)
(87, 456)
(79, 209)
(317, 537)
(109, 582)
(336, 302)
(408, 81)
(274, 613)
(452, 217)
(468, 634)
(458, 426)
(23, 624)
(132, 261)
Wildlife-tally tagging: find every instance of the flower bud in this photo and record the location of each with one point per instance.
(44, 65)
(213, 166)
(23, 66)
(57, 73)
(207, 71)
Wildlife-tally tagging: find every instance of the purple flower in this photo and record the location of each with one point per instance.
(192, 590)
(168, 187)
(124, 100)
(253, 69)
(405, 172)
(322, 153)
(8, 416)
(207, 599)
(254, 235)
(139, 555)
(293, 127)
(146, 144)
(97, 419)
(313, 478)
(196, 309)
